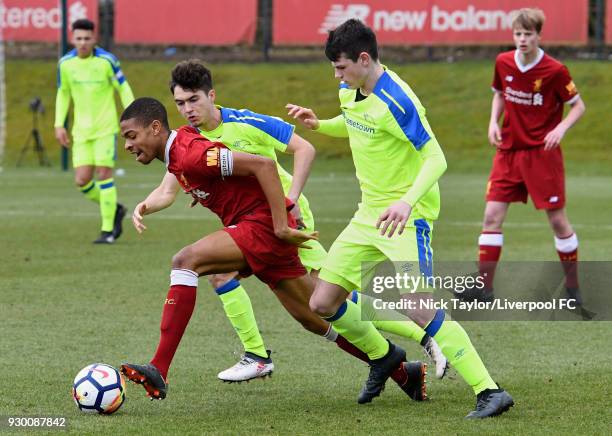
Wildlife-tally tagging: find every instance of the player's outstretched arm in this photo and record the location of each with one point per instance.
(335, 127)
(160, 198)
(265, 171)
(303, 155)
(554, 137)
(497, 108)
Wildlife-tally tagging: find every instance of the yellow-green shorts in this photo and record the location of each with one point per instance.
(99, 152)
(312, 258)
(360, 247)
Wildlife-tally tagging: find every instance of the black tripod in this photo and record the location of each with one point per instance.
(36, 108)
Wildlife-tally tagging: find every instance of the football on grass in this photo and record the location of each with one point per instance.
(99, 388)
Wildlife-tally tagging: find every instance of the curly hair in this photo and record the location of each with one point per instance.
(191, 75)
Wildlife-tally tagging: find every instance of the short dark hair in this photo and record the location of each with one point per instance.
(191, 75)
(83, 24)
(145, 110)
(351, 38)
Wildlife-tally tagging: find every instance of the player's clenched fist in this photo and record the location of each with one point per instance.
(304, 115)
(137, 217)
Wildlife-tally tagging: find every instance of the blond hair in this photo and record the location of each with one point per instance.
(529, 19)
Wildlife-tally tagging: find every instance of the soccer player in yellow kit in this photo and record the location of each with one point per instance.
(246, 131)
(398, 162)
(89, 76)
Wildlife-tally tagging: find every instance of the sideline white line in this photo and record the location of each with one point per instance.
(209, 217)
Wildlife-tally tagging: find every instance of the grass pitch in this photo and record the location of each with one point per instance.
(457, 97)
(67, 303)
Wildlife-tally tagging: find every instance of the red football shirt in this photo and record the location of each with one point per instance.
(203, 169)
(533, 95)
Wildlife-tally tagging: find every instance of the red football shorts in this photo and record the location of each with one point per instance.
(269, 258)
(532, 171)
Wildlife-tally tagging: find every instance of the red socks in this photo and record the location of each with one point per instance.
(176, 313)
(567, 248)
(490, 245)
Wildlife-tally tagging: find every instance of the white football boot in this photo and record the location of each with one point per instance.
(249, 367)
(434, 353)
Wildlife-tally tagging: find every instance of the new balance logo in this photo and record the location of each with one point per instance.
(338, 14)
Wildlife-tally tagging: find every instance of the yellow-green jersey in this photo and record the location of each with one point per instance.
(396, 154)
(254, 133)
(91, 83)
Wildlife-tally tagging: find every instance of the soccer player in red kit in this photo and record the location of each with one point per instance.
(530, 89)
(259, 235)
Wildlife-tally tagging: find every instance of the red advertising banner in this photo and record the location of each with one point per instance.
(201, 22)
(427, 22)
(41, 20)
(609, 22)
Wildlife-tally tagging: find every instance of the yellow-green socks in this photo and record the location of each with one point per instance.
(348, 323)
(238, 309)
(461, 354)
(405, 328)
(91, 190)
(108, 203)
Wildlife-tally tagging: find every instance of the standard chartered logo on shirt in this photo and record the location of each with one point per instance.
(522, 97)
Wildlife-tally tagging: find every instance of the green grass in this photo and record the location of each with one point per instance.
(457, 97)
(67, 303)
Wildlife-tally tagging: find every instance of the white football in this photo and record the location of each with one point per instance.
(98, 388)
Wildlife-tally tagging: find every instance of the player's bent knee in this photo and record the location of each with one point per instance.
(320, 307)
(184, 259)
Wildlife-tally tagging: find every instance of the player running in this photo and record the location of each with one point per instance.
(90, 75)
(250, 132)
(530, 89)
(398, 162)
(256, 239)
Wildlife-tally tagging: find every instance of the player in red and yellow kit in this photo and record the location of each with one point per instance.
(530, 89)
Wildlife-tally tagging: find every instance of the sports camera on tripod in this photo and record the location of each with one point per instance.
(34, 140)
